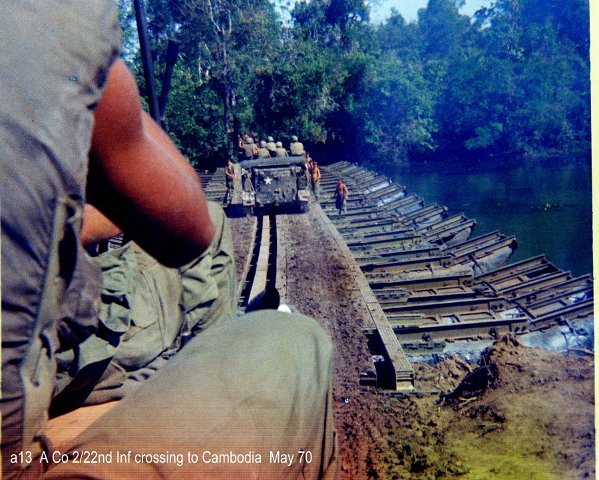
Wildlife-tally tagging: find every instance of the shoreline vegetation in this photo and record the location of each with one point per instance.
(513, 78)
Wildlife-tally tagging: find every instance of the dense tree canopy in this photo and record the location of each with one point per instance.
(512, 80)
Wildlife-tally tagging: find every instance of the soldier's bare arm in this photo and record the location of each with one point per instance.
(96, 227)
(140, 180)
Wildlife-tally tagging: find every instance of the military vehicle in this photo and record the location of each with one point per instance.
(275, 182)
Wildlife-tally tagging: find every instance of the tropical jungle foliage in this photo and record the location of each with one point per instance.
(513, 80)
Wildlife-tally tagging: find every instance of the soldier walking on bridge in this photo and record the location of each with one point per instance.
(341, 196)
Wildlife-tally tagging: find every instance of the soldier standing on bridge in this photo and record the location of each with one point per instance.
(341, 196)
(315, 180)
(230, 181)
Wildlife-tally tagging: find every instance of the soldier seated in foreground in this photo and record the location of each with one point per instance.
(241, 389)
(148, 314)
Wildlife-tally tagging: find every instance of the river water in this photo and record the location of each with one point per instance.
(545, 204)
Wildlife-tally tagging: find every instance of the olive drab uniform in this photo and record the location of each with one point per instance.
(47, 88)
(271, 146)
(263, 151)
(296, 147)
(197, 398)
(137, 339)
(250, 149)
(280, 151)
(230, 182)
(222, 392)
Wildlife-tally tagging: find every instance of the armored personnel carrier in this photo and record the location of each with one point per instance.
(275, 182)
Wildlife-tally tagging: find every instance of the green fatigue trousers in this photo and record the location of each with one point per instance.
(206, 393)
(316, 189)
(230, 191)
(341, 204)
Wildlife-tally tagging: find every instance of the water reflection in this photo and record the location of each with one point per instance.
(546, 205)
